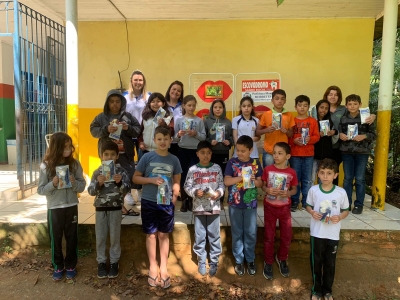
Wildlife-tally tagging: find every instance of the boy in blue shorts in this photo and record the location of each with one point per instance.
(160, 173)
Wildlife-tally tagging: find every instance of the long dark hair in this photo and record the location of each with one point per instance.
(328, 115)
(177, 82)
(247, 98)
(54, 154)
(148, 112)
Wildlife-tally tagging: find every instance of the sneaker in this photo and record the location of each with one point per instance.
(267, 272)
(190, 204)
(113, 270)
(357, 210)
(101, 270)
(239, 269)
(184, 205)
(58, 275)
(283, 267)
(202, 269)
(251, 268)
(213, 269)
(129, 199)
(71, 273)
(293, 208)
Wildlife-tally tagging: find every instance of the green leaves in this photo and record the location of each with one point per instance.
(279, 2)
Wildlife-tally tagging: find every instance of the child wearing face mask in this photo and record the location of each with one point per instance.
(61, 190)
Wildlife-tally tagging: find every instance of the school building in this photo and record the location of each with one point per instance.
(305, 46)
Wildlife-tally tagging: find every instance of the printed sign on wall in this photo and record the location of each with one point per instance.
(260, 90)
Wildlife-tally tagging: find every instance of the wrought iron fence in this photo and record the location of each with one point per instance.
(41, 70)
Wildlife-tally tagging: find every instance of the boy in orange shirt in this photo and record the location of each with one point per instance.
(276, 124)
(305, 135)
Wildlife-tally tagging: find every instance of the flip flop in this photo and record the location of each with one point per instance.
(166, 282)
(328, 297)
(152, 281)
(131, 213)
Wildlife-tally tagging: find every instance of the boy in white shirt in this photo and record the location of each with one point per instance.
(328, 205)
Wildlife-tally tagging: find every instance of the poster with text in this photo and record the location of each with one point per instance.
(260, 90)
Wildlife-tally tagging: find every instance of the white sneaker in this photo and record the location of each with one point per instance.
(129, 199)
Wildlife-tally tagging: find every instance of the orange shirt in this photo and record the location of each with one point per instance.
(277, 136)
(313, 132)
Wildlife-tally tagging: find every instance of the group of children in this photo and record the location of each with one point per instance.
(200, 176)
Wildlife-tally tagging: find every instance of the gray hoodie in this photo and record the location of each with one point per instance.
(56, 197)
(98, 127)
(210, 125)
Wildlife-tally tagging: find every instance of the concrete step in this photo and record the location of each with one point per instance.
(14, 194)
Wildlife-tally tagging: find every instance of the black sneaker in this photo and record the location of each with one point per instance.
(357, 210)
(283, 267)
(239, 269)
(293, 208)
(101, 270)
(184, 205)
(267, 272)
(251, 269)
(190, 204)
(113, 270)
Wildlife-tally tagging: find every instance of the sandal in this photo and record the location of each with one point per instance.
(152, 281)
(166, 282)
(131, 213)
(315, 297)
(328, 296)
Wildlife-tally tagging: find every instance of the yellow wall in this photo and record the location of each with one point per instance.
(310, 55)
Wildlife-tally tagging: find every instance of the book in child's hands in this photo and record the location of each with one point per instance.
(352, 131)
(63, 177)
(160, 114)
(277, 181)
(117, 134)
(164, 192)
(108, 170)
(325, 211)
(246, 174)
(277, 120)
(220, 133)
(325, 127)
(364, 114)
(187, 124)
(304, 135)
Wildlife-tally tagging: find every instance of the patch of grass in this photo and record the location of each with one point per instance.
(84, 252)
(6, 248)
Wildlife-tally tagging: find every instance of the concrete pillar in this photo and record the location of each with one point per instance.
(384, 104)
(71, 8)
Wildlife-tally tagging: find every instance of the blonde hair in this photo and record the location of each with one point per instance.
(143, 91)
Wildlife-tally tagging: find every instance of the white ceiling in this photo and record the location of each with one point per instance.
(103, 10)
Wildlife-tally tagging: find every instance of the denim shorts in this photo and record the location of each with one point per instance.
(157, 217)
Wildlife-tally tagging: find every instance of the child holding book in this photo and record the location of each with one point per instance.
(160, 173)
(279, 184)
(204, 183)
(110, 182)
(328, 205)
(243, 177)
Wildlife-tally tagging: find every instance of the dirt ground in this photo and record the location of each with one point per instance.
(27, 275)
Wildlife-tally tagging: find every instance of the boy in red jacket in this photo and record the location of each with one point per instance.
(305, 135)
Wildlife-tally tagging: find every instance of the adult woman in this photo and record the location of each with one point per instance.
(136, 100)
(174, 97)
(334, 95)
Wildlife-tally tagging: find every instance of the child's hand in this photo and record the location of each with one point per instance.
(316, 216)
(359, 138)
(101, 179)
(307, 139)
(162, 122)
(55, 181)
(335, 219)
(343, 137)
(214, 142)
(283, 193)
(270, 129)
(298, 141)
(226, 143)
(283, 130)
(181, 133)
(216, 196)
(157, 181)
(117, 178)
(72, 179)
(370, 119)
(142, 146)
(331, 132)
(321, 133)
(192, 132)
(253, 177)
(273, 191)
(199, 193)
(125, 126)
(112, 128)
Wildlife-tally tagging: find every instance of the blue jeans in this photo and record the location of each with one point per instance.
(207, 226)
(244, 233)
(303, 165)
(267, 159)
(354, 166)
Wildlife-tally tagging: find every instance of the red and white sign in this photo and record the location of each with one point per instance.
(260, 90)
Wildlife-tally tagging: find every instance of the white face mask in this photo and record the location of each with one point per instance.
(67, 153)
